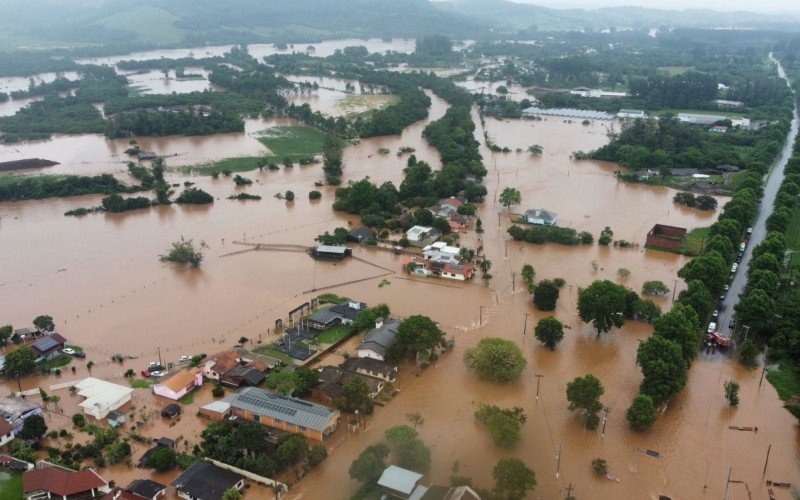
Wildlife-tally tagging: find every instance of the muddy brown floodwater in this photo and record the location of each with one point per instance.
(100, 277)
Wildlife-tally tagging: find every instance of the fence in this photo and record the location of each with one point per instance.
(282, 488)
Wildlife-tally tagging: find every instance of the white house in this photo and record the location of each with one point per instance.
(630, 114)
(377, 342)
(420, 236)
(6, 432)
(541, 217)
(101, 397)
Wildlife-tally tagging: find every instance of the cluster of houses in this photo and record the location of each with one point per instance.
(439, 260)
(448, 210)
(45, 480)
(398, 482)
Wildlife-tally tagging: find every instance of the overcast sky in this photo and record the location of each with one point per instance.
(724, 5)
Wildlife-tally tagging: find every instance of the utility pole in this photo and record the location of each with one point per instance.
(159, 355)
(558, 462)
(513, 275)
(480, 315)
(605, 419)
(764, 367)
(674, 289)
(525, 326)
(728, 482)
(538, 380)
(569, 492)
(767, 460)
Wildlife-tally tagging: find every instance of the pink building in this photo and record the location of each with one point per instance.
(176, 384)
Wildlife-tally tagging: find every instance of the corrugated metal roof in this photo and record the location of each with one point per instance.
(44, 344)
(331, 249)
(283, 408)
(324, 316)
(398, 479)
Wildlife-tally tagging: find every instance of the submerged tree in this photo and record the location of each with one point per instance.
(185, 253)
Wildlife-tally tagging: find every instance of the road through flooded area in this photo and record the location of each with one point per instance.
(99, 276)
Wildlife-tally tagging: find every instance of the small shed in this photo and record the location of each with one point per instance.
(330, 252)
(665, 237)
(171, 411)
(115, 418)
(216, 410)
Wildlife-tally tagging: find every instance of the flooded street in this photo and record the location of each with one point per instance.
(100, 278)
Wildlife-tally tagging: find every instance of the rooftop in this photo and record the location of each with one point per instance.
(569, 113)
(49, 342)
(285, 408)
(99, 393)
(206, 481)
(145, 487)
(12, 408)
(400, 480)
(332, 249)
(250, 356)
(381, 339)
(61, 481)
(179, 379)
(417, 231)
(369, 364)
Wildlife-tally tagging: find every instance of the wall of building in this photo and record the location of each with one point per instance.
(284, 426)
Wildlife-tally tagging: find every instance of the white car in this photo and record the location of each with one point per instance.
(69, 350)
(185, 358)
(712, 327)
(734, 267)
(153, 364)
(749, 230)
(157, 373)
(716, 312)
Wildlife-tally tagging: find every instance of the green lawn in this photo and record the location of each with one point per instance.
(57, 362)
(141, 383)
(292, 141)
(10, 485)
(269, 351)
(188, 398)
(786, 381)
(695, 240)
(75, 347)
(282, 142)
(334, 334)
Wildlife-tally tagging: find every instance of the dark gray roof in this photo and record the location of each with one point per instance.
(44, 344)
(205, 481)
(369, 364)
(330, 314)
(249, 374)
(284, 408)
(145, 487)
(361, 234)
(381, 339)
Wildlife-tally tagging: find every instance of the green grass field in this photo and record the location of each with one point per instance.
(141, 383)
(695, 240)
(188, 398)
(786, 381)
(151, 24)
(335, 334)
(57, 362)
(282, 142)
(269, 351)
(10, 485)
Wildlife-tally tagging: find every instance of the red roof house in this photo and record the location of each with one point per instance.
(49, 345)
(60, 482)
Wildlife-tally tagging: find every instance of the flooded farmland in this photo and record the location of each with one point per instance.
(100, 277)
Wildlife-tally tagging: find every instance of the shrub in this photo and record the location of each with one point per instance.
(600, 466)
(314, 195)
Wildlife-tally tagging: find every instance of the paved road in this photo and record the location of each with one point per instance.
(759, 227)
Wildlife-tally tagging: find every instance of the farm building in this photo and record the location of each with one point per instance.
(665, 237)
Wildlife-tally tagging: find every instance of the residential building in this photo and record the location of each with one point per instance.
(205, 481)
(450, 493)
(215, 367)
(333, 378)
(378, 341)
(698, 119)
(371, 368)
(284, 413)
(246, 356)
(146, 488)
(440, 268)
(48, 347)
(26, 333)
(115, 418)
(400, 482)
(360, 234)
(176, 384)
(441, 251)
(339, 314)
(331, 252)
(541, 217)
(101, 397)
(16, 410)
(720, 129)
(420, 236)
(251, 374)
(665, 237)
(6, 432)
(54, 482)
(216, 410)
(447, 208)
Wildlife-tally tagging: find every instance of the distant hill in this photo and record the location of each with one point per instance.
(508, 15)
(173, 22)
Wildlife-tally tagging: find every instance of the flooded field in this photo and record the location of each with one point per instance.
(99, 276)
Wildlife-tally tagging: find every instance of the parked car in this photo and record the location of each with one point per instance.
(712, 327)
(742, 246)
(716, 313)
(749, 230)
(732, 324)
(153, 365)
(157, 373)
(185, 358)
(69, 350)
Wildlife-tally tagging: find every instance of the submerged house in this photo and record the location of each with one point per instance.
(541, 217)
(420, 236)
(205, 481)
(339, 314)
(101, 397)
(665, 237)
(360, 234)
(331, 252)
(377, 342)
(175, 385)
(51, 481)
(48, 347)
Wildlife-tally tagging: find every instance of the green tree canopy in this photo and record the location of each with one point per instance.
(583, 393)
(641, 414)
(603, 304)
(400, 434)
(369, 465)
(44, 323)
(418, 335)
(20, 362)
(545, 295)
(513, 479)
(682, 326)
(355, 396)
(510, 196)
(663, 367)
(549, 331)
(34, 427)
(710, 268)
(496, 359)
(414, 455)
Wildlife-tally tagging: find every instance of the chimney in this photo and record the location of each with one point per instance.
(378, 323)
(354, 304)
